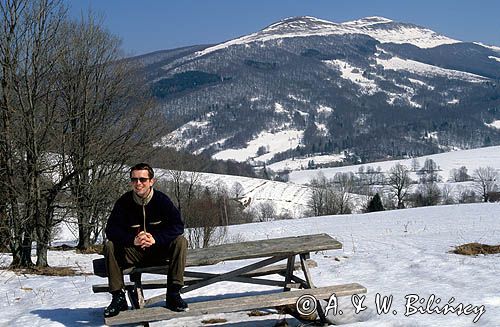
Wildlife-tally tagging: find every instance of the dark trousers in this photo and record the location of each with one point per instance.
(119, 258)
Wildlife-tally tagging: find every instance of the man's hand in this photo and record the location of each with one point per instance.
(144, 240)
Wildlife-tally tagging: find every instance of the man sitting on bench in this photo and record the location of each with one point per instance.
(144, 229)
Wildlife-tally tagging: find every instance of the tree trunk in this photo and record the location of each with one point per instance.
(21, 254)
(84, 232)
(41, 252)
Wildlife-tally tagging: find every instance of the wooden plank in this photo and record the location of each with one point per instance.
(285, 246)
(191, 278)
(234, 304)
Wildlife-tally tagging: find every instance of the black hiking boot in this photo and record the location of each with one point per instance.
(118, 303)
(174, 302)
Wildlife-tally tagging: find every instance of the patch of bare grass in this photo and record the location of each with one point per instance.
(62, 247)
(50, 271)
(258, 313)
(93, 249)
(476, 249)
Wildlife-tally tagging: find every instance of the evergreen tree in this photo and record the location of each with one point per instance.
(375, 204)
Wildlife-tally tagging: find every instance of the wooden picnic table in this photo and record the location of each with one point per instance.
(270, 251)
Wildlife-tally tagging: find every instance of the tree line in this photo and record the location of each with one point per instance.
(395, 189)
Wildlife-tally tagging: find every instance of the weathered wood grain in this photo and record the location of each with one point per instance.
(234, 304)
(244, 250)
(262, 248)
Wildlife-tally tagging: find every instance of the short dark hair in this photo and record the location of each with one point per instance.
(143, 166)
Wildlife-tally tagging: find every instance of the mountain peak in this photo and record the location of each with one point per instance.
(298, 23)
(368, 21)
(381, 29)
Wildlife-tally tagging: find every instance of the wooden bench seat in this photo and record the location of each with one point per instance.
(234, 304)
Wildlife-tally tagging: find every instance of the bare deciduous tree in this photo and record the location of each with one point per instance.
(266, 211)
(447, 194)
(29, 48)
(95, 85)
(68, 98)
(485, 179)
(399, 182)
(331, 197)
(459, 175)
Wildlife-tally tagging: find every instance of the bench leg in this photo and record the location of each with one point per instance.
(136, 294)
(290, 265)
(309, 283)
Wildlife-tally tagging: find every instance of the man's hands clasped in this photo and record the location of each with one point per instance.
(144, 240)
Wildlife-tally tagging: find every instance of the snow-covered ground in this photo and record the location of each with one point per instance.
(273, 142)
(302, 163)
(395, 253)
(292, 197)
(287, 198)
(472, 159)
(353, 74)
(417, 67)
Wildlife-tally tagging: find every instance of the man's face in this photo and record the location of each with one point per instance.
(141, 183)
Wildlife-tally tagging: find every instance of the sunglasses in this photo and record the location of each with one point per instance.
(140, 179)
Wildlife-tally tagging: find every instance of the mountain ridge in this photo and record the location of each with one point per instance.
(376, 76)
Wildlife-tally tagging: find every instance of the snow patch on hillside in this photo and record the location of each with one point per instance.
(273, 142)
(183, 136)
(297, 98)
(491, 47)
(494, 58)
(417, 67)
(353, 74)
(419, 82)
(324, 109)
(287, 198)
(494, 124)
(278, 108)
(302, 163)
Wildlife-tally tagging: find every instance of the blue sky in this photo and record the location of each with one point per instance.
(150, 25)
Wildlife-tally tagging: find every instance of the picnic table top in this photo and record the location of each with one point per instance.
(285, 246)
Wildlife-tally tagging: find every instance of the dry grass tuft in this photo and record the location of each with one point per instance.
(258, 313)
(476, 248)
(48, 271)
(63, 247)
(93, 249)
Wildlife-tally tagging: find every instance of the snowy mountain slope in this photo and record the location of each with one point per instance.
(419, 68)
(380, 28)
(292, 197)
(396, 253)
(287, 198)
(380, 80)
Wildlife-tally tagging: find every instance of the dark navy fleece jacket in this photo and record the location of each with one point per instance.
(163, 220)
